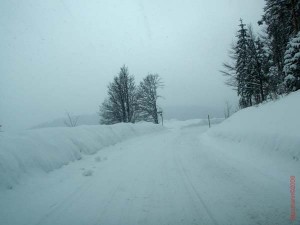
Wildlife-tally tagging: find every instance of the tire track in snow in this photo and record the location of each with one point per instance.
(64, 203)
(198, 195)
(106, 207)
(187, 181)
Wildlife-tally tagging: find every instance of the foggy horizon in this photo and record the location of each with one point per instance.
(60, 55)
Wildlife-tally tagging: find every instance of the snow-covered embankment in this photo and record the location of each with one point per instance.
(43, 150)
(272, 129)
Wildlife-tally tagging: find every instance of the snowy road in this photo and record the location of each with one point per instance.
(169, 177)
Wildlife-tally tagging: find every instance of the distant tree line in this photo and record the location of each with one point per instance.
(267, 65)
(127, 102)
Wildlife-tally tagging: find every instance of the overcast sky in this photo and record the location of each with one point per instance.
(59, 55)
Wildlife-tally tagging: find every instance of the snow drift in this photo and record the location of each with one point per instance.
(271, 128)
(43, 150)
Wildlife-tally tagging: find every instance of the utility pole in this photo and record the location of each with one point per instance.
(208, 121)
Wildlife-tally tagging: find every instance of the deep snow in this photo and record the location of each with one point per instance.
(24, 154)
(237, 172)
(272, 128)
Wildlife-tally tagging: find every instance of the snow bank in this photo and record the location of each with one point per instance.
(273, 127)
(43, 150)
(174, 123)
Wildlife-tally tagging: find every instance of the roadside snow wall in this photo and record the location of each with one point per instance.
(44, 150)
(272, 128)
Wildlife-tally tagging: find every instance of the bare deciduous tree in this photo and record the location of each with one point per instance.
(147, 98)
(71, 121)
(227, 110)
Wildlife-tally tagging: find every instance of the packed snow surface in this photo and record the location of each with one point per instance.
(236, 173)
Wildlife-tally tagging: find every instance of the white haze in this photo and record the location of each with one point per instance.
(59, 55)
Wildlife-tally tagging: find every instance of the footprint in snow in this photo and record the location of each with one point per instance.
(99, 159)
(87, 173)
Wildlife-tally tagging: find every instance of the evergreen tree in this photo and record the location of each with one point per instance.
(292, 64)
(239, 71)
(264, 68)
(281, 18)
(242, 69)
(250, 70)
(258, 68)
(121, 103)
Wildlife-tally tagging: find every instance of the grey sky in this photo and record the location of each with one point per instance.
(59, 55)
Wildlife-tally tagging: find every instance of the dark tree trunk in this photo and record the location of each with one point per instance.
(261, 90)
(295, 17)
(155, 116)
